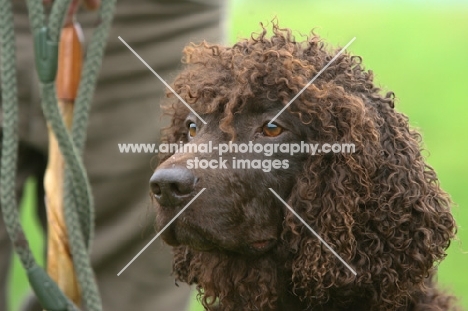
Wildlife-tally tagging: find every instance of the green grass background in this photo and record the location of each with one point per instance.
(417, 49)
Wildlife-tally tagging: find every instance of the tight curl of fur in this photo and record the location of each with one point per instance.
(381, 208)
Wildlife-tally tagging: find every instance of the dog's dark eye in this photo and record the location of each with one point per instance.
(272, 130)
(192, 127)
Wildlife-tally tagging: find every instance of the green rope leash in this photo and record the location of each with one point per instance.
(46, 48)
(52, 298)
(79, 210)
(90, 71)
(10, 135)
(86, 89)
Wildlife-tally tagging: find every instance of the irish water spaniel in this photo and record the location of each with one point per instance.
(380, 207)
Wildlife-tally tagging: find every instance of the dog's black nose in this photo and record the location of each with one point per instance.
(171, 185)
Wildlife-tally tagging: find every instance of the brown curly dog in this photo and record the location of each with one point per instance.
(380, 207)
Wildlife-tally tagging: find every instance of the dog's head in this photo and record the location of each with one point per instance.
(379, 206)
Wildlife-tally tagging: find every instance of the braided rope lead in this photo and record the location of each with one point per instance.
(79, 217)
(77, 189)
(90, 293)
(51, 296)
(46, 49)
(91, 67)
(86, 89)
(90, 72)
(10, 136)
(79, 213)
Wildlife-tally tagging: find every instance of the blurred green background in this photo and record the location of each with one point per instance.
(418, 49)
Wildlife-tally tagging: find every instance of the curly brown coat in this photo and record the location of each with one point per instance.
(380, 208)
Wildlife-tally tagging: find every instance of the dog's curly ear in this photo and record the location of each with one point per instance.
(380, 208)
